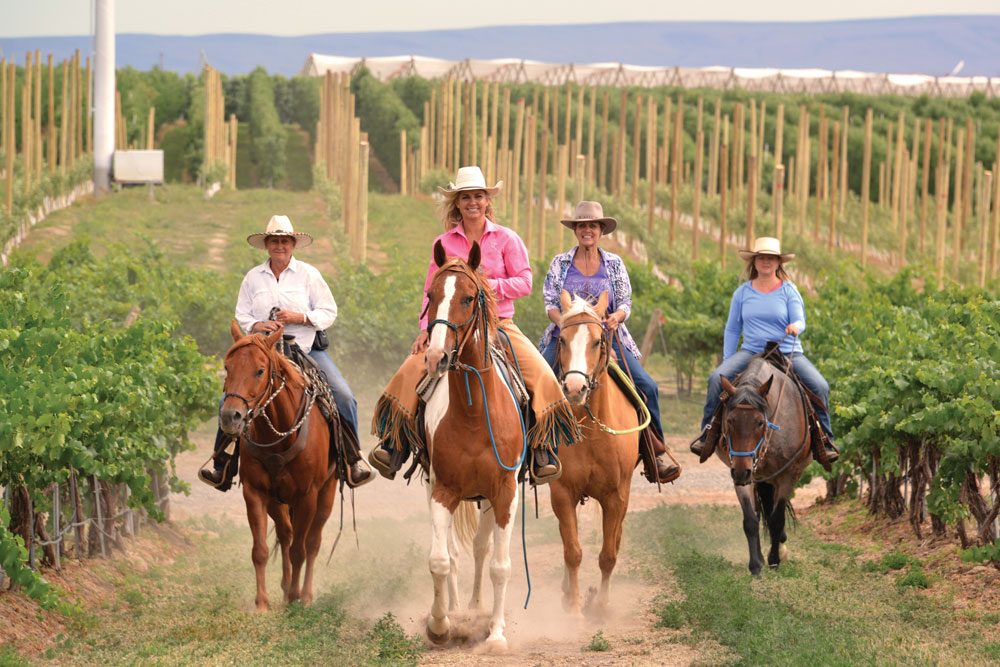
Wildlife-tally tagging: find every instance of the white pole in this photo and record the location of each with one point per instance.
(104, 94)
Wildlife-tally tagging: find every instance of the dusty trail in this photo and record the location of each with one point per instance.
(542, 633)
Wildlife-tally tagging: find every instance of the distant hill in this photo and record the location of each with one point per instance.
(925, 45)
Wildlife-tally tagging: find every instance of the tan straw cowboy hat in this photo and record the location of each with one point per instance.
(279, 225)
(470, 178)
(592, 211)
(766, 245)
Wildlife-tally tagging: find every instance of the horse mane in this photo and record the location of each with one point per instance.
(460, 265)
(578, 306)
(747, 386)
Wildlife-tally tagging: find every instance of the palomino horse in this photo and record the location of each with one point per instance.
(285, 457)
(765, 441)
(601, 466)
(475, 438)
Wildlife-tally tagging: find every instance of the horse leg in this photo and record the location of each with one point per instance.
(613, 511)
(283, 532)
(257, 517)
(480, 548)
(438, 625)
(776, 526)
(751, 527)
(324, 505)
(453, 568)
(302, 518)
(500, 567)
(564, 507)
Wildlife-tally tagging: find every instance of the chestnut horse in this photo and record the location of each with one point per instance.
(765, 442)
(601, 466)
(284, 447)
(475, 437)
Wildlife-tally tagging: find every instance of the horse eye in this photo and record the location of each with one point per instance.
(260, 372)
(596, 344)
(467, 300)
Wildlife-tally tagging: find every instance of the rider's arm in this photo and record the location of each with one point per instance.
(322, 306)
(517, 281)
(622, 286)
(796, 311)
(244, 306)
(734, 325)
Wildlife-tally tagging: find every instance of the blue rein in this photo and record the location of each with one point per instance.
(753, 452)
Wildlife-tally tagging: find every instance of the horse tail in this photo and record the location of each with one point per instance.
(466, 524)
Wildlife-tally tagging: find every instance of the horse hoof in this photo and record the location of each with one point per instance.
(783, 553)
(496, 644)
(439, 637)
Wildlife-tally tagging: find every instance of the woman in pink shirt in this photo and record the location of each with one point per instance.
(468, 219)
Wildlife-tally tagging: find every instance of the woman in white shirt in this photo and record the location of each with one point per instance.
(305, 306)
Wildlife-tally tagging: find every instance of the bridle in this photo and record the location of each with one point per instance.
(591, 379)
(478, 310)
(266, 397)
(763, 441)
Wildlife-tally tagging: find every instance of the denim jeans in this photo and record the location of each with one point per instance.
(735, 364)
(347, 405)
(643, 381)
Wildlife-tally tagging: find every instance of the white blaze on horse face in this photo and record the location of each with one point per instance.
(579, 340)
(438, 333)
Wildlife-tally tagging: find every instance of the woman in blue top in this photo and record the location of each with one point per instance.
(767, 307)
(586, 271)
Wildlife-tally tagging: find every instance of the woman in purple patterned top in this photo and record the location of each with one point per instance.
(586, 271)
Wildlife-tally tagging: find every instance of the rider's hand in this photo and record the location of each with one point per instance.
(792, 329)
(267, 326)
(290, 317)
(420, 344)
(611, 321)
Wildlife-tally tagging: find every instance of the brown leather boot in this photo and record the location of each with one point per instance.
(544, 466)
(666, 470)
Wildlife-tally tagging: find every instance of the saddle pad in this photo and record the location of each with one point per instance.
(426, 386)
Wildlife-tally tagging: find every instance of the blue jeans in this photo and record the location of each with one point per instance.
(735, 364)
(646, 385)
(347, 405)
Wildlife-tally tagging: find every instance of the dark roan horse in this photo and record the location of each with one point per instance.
(765, 442)
(285, 463)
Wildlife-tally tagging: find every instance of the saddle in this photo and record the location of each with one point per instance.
(650, 444)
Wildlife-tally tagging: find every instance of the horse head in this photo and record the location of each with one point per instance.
(745, 424)
(583, 346)
(460, 305)
(251, 367)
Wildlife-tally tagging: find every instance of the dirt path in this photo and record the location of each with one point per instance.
(542, 633)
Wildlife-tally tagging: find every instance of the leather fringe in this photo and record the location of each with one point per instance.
(554, 427)
(393, 423)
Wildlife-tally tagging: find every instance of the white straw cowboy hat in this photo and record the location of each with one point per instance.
(470, 178)
(766, 245)
(592, 211)
(279, 225)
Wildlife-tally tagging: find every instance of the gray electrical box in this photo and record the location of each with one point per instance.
(138, 167)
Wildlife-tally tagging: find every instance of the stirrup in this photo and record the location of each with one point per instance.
(384, 468)
(351, 482)
(545, 479)
(205, 476)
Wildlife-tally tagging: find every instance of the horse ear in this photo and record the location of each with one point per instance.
(565, 301)
(728, 387)
(602, 304)
(275, 336)
(766, 387)
(475, 255)
(234, 329)
(439, 255)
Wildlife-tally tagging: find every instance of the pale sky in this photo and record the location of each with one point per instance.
(27, 18)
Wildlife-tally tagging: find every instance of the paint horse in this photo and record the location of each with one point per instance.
(475, 437)
(600, 466)
(286, 468)
(765, 441)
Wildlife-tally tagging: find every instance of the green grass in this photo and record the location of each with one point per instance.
(598, 642)
(819, 608)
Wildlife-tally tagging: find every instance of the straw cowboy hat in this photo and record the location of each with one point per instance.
(470, 178)
(279, 225)
(592, 211)
(766, 245)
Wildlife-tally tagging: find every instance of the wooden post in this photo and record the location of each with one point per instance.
(473, 116)
(802, 158)
(503, 147)
(233, 131)
(563, 169)
(897, 166)
(985, 191)
(515, 176)
(675, 173)
(602, 167)
(751, 196)
(361, 255)
(956, 205)
(90, 117)
(995, 244)
(27, 126)
(866, 173)
(592, 126)
(779, 197)
(736, 177)
(779, 138)
(821, 168)
(713, 151)
(636, 144)
(529, 177)
(970, 159)
(542, 193)
(651, 163)
(50, 130)
(10, 141)
(925, 182)
(622, 140)
(723, 182)
(568, 118)
(834, 189)
(752, 173)
(941, 196)
(699, 140)
(581, 177)
(843, 159)
(904, 200)
(579, 127)
(667, 141)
